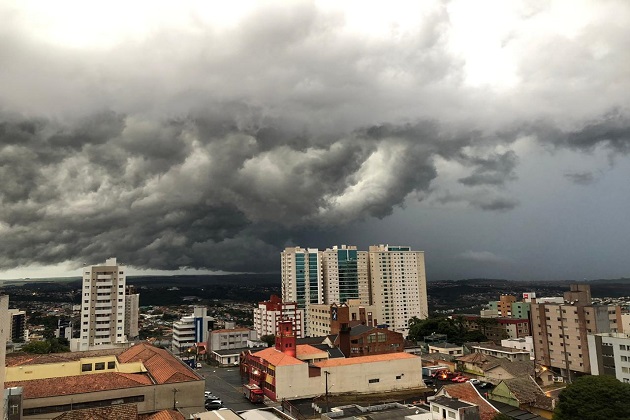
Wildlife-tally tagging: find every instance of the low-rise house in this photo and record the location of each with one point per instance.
(467, 393)
(446, 348)
(525, 394)
(509, 353)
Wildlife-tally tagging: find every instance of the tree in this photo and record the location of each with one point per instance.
(594, 398)
(52, 345)
(269, 339)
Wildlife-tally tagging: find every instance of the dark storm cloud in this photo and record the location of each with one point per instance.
(580, 178)
(492, 170)
(190, 145)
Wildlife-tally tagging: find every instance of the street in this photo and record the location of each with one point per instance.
(225, 383)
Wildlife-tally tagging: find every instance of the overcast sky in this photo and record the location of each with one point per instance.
(493, 135)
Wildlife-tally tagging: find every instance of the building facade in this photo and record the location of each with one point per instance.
(18, 326)
(191, 329)
(609, 354)
(321, 320)
(132, 310)
(398, 285)
(233, 338)
(102, 323)
(560, 331)
(345, 275)
(266, 315)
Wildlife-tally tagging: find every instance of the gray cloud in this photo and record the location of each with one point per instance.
(580, 178)
(206, 147)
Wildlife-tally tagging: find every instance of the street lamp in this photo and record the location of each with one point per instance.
(175, 391)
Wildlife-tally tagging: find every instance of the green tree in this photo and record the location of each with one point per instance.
(594, 398)
(38, 347)
(269, 339)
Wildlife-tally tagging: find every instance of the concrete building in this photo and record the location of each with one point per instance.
(509, 353)
(609, 354)
(467, 393)
(132, 309)
(233, 338)
(497, 329)
(398, 285)
(302, 279)
(560, 330)
(389, 411)
(508, 307)
(296, 371)
(17, 323)
(191, 329)
(102, 321)
(446, 348)
(5, 327)
(443, 407)
(345, 275)
(267, 313)
(149, 377)
(523, 343)
(321, 320)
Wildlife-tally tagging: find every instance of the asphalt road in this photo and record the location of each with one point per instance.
(225, 383)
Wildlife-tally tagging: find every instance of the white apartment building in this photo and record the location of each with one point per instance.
(398, 284)
(302, 280)
(345, 275)
(268, 312)
(524, 343)
(132, 310)
(231, 338)
(102, 322)
(191, 329)
(609, 354)
(391, 279)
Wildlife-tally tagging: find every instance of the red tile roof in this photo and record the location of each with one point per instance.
(367, 359)
(161, 365)
(166, 415)
(305, 349)
(121, 411)
(468, 393)
(277, 358)
(21, 359)
(79, 384)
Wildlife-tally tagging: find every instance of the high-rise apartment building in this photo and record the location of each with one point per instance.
(302, 280)
(267, 314)
(391, 279)
(345, 275)
(560, 330)
(102, 323)
(18, 325)
(398, 284)
(609, 354)
(132, 310)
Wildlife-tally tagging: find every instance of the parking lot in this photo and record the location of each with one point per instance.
(225, 383)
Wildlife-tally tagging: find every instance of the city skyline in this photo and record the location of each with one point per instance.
(207, 137)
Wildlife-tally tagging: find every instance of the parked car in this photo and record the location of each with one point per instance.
(429, 381)
(462, 379)
(198, 365)
(213, 404)
(475, 381)
(456, 378)
(486, 385)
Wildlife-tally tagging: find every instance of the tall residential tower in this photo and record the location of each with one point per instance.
(102, 323)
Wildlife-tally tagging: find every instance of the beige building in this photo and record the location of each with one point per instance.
(560, 330)
(102, 323)
(132, 310)
(320, 317)
(5, 320)
(398, 284)
(345, 275)
(149, 377)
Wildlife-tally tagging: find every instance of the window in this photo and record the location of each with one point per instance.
(622, 347)
(398, 377)
(373, 381)
(451, 414)
(111, 365)
(86, 367)
(99, 366)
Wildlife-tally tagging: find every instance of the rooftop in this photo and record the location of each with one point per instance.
(121, 411)
(21, 359)
(307, 350)
(468, 393)
(161, 368)
(495, 347)
(453, 403)
(367, 359)
(277, 358)
(445, 346)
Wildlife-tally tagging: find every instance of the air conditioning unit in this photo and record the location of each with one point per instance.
(558, 379)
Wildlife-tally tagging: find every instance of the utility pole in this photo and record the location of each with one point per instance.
(327, 406)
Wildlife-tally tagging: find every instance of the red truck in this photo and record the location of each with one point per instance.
(253, 393)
